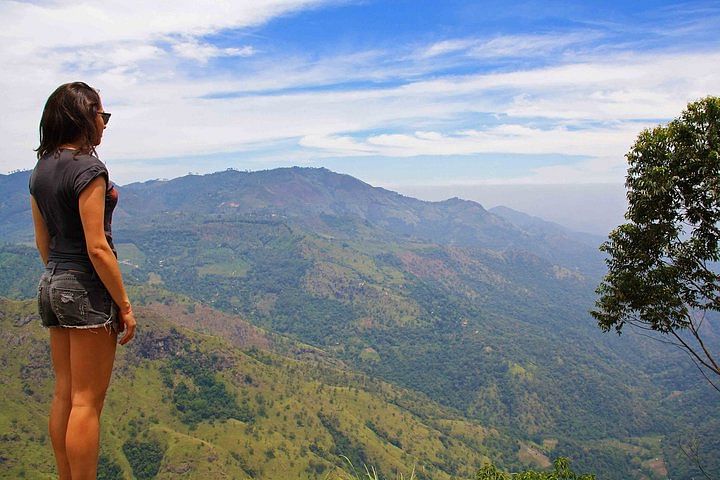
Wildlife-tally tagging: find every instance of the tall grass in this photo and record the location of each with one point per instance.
(368, 474)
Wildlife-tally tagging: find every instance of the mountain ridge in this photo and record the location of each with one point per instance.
(306, 194)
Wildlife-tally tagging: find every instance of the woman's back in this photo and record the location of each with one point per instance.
(56, 183)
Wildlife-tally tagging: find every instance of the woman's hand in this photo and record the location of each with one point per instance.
(127, 325)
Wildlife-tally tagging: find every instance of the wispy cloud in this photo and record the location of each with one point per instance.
(504, 138)
(202, 52)
(511, 46)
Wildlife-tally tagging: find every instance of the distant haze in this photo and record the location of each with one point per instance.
(591, 208)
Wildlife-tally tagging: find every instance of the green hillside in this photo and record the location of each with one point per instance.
(443, 299)
(186, 405)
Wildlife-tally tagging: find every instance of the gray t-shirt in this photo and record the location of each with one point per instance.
(56, 183)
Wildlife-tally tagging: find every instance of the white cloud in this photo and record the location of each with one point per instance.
(506, 138)
(202, 52)
(509, 46)
(118, 46)
(588, 109)
(93, 22)
(336, 145)
(446, 46)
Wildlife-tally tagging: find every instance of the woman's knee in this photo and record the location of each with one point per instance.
(88, 398)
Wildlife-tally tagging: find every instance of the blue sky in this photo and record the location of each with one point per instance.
(408, 95)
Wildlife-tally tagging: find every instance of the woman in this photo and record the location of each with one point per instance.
(81, 296)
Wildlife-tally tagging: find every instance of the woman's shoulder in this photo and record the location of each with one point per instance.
(66, 170)
(79, 163)
(82, 158)
(67, 163)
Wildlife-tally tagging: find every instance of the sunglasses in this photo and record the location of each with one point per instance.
(105, 117)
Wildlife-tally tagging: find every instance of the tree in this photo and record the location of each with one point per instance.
(561, 471)
(663, 271)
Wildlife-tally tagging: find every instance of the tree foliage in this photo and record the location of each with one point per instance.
(108, 468)
(663, 270)
(207, 398)
(144, 457)
(561, 471)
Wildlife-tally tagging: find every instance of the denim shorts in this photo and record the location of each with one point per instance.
(75, 299)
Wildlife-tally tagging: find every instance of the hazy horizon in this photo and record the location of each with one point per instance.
(588, 208)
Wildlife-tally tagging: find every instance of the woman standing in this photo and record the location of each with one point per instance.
(81, 297)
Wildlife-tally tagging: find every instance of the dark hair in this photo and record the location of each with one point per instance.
(70, 116)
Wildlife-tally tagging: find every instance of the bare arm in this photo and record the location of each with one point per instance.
(42, 237)
(92, 212)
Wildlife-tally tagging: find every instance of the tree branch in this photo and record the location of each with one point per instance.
(693, 353)
(699, 289)
(680, 346)
(695, 457)
(696, 334)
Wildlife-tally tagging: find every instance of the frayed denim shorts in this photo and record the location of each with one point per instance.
(75, 299)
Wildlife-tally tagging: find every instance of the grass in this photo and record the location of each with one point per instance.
(369, 473)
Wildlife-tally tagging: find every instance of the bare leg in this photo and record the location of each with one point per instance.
(92, 353)
(60, 407)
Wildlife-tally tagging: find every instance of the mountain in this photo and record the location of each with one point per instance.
(14, 206)
(484, 315)
(183, 404)
(550, 230)
(318, 198)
